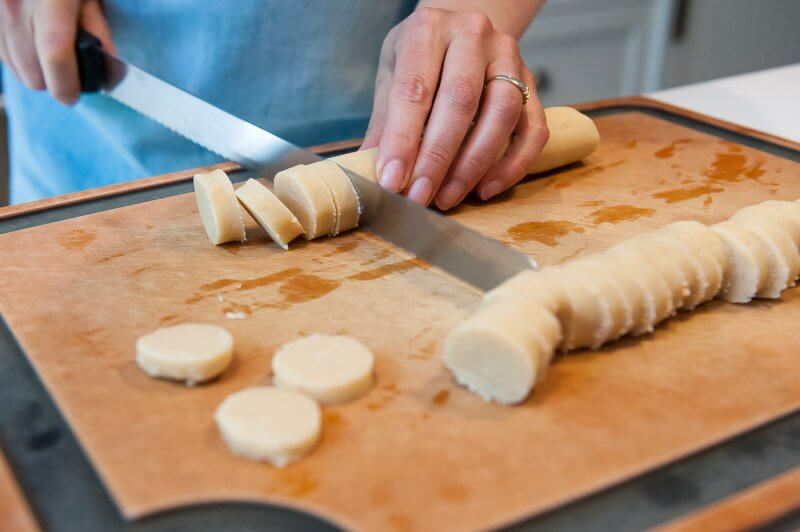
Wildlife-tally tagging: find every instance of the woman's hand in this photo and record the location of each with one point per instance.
(37, 41)
(429, 91)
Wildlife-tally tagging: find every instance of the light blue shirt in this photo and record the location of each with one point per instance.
(302, 69)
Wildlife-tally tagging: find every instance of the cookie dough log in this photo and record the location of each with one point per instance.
(503, 350)
(749, 263)
(345, 198)
(361, 163)
(573, 136)
(331, 369)
(783, 253)
(266, 209)
(309, 198)
(706, 247)
(219, 210)
(269, 424)
(665, 264)
(615, 316)
(189, 352)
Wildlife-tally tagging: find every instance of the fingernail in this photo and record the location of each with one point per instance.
(491, 189)
(392, 175)
(421, 191)
(449, 194)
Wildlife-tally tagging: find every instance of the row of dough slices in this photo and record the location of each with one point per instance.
(311, 200)
(503, 349)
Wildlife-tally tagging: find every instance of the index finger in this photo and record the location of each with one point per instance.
(55, 24)
(417, 68)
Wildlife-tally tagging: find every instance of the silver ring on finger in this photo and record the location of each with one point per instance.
(518, 83)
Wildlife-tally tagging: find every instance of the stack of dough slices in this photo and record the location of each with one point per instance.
(504, 349)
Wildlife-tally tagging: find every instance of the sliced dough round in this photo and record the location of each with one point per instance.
(496, 354)
(666, 265)
(345, 198)
(707, 248)
(585, 318)
(783, 252)
(749, 263)
(190, 352)
(638, 299)
(269, 212)
(617, 313)
(269, 424)
(219, 210)
(657, 294)
(784, 213)
(331, 369)
(309, 199)
(693, 275)
(530, 286)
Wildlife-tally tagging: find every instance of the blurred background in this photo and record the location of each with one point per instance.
(591, 49)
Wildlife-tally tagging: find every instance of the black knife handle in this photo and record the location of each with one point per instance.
(91, 64)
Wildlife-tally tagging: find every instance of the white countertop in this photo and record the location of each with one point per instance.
(768, 100)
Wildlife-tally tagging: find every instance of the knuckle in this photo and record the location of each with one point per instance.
(507, 44)
(426, 16)
(477, 23)
(56, 48)
(400, 137)
(541, 131)
(413, 90)
(506, 106)
(476, 162)
(438, 155)
(462, 96)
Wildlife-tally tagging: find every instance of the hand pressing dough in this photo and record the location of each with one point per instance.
(657, 294)
(573, 136)
(497, 354)
(219, 210)
(708, 249)
(269, 212)
(345, 198)
(783, 253)
(190, 352)
(361, 163)
(749, 263)
(269, 424)
(331, 369)
(309, 199)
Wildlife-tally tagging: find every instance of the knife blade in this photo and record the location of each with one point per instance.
(434, 238)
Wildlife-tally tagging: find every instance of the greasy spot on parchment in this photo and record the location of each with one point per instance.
(682, 194)
(620, 213)
(77, 239)
(546, 232)
(668, 151)
(387, 269)
(732, 166)
(305, 287)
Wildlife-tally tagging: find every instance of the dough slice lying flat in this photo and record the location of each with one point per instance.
(664, 263)
(309, 199)
(783, 252)
(345, 199)
(707, 248)
(269, 424)
(749, 263)
(269, 212)
(219, 209)
(331, 369)
(190, 352)
(496, 354)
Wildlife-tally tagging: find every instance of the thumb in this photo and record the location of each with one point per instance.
(93, 20)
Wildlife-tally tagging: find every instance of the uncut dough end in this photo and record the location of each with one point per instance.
(189, 352)
(331, 369)
(266, 209)
(269, 424)
(345, 198)
(573, 136)
(361, 162)
(218, 207)
(309, 199)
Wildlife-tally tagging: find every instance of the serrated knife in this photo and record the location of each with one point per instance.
(436, 239)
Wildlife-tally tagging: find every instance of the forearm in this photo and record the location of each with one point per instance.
(508, 16)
